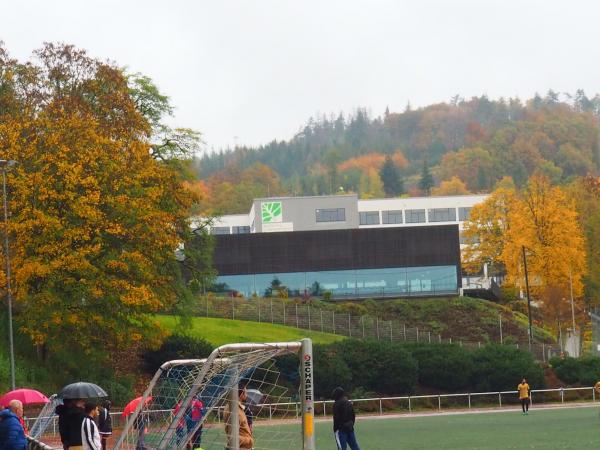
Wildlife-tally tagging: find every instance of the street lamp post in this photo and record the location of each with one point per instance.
(573, 311)
(4, 166)
(528, 297)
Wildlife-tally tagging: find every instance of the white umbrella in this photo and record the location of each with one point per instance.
(254, 396)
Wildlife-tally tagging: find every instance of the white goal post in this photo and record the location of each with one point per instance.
(194, 403)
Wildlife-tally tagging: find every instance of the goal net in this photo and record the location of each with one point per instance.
(242, 396)
(45, 417)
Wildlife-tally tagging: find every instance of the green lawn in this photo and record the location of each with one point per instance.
(225, 331)
(577, 429)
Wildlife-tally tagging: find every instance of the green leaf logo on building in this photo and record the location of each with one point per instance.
(271, 212)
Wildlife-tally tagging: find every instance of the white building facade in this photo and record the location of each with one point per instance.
(346, 211)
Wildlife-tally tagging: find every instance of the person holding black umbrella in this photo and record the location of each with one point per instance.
(70, 417)
(71, 413)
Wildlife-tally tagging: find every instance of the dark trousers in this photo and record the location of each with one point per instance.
(525, 404)
(103, 439)
(346, 438)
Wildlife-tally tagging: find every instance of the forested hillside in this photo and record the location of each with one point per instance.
(466, 145)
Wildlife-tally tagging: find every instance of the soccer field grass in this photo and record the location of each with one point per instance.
(549, 429)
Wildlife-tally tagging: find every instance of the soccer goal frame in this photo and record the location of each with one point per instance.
(45, 417)
(231, 365)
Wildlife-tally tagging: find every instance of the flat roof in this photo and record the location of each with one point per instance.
(305, 196)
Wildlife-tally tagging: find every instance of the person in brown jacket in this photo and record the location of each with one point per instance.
(246, 440)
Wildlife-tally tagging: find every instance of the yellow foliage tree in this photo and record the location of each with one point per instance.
(453, 186)
(544, 221)
(95, 219)
(371, 185)
(486, 230)
(372, 161)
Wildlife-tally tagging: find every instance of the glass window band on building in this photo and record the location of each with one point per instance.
(369, 217)
(414, 216)
(240, 230)
(442, 215)
(219, 230)
(391, 216)
(463, 214)
(384, 282)
(330, 215)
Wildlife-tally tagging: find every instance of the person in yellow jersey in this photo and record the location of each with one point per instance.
(597, 387)
(523, 389)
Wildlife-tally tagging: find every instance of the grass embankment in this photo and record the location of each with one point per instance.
(226, 331)
(464, 318)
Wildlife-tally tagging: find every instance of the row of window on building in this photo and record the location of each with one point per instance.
(234, 230)
(399, 216)
(414, 216)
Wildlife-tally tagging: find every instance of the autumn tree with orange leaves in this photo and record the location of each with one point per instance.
(544, 220)
(97, 209)
(586, 194)
(485, 232)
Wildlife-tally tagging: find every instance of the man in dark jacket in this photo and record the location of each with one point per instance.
(343, 421)
(12, 435)
(70, 418)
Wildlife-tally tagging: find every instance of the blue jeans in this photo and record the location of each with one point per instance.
(344, 438)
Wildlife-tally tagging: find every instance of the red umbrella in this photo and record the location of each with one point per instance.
(133, 404)
(27, 396)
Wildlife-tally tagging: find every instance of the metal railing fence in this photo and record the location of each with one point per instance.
(391, 405)
(305, 316)
(34, 444)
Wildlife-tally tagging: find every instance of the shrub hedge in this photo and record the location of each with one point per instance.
(176, 346)
(443, 366)
(584, 370)
(501, 368)
(383, 368)
(395, 369)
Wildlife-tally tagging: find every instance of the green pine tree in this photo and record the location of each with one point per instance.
(482, 181)
(392, 182)
(426, 182)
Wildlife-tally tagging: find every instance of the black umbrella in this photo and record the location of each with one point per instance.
(82, 390)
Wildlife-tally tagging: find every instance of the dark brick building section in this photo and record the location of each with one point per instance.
(365, 248)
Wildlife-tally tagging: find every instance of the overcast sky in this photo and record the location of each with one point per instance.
(252, 71)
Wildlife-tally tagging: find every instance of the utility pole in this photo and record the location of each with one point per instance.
(528, 297)
(500, 320)
(4, 166)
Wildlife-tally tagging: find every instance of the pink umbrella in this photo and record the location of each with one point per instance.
(27, 396)
(130, 407)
